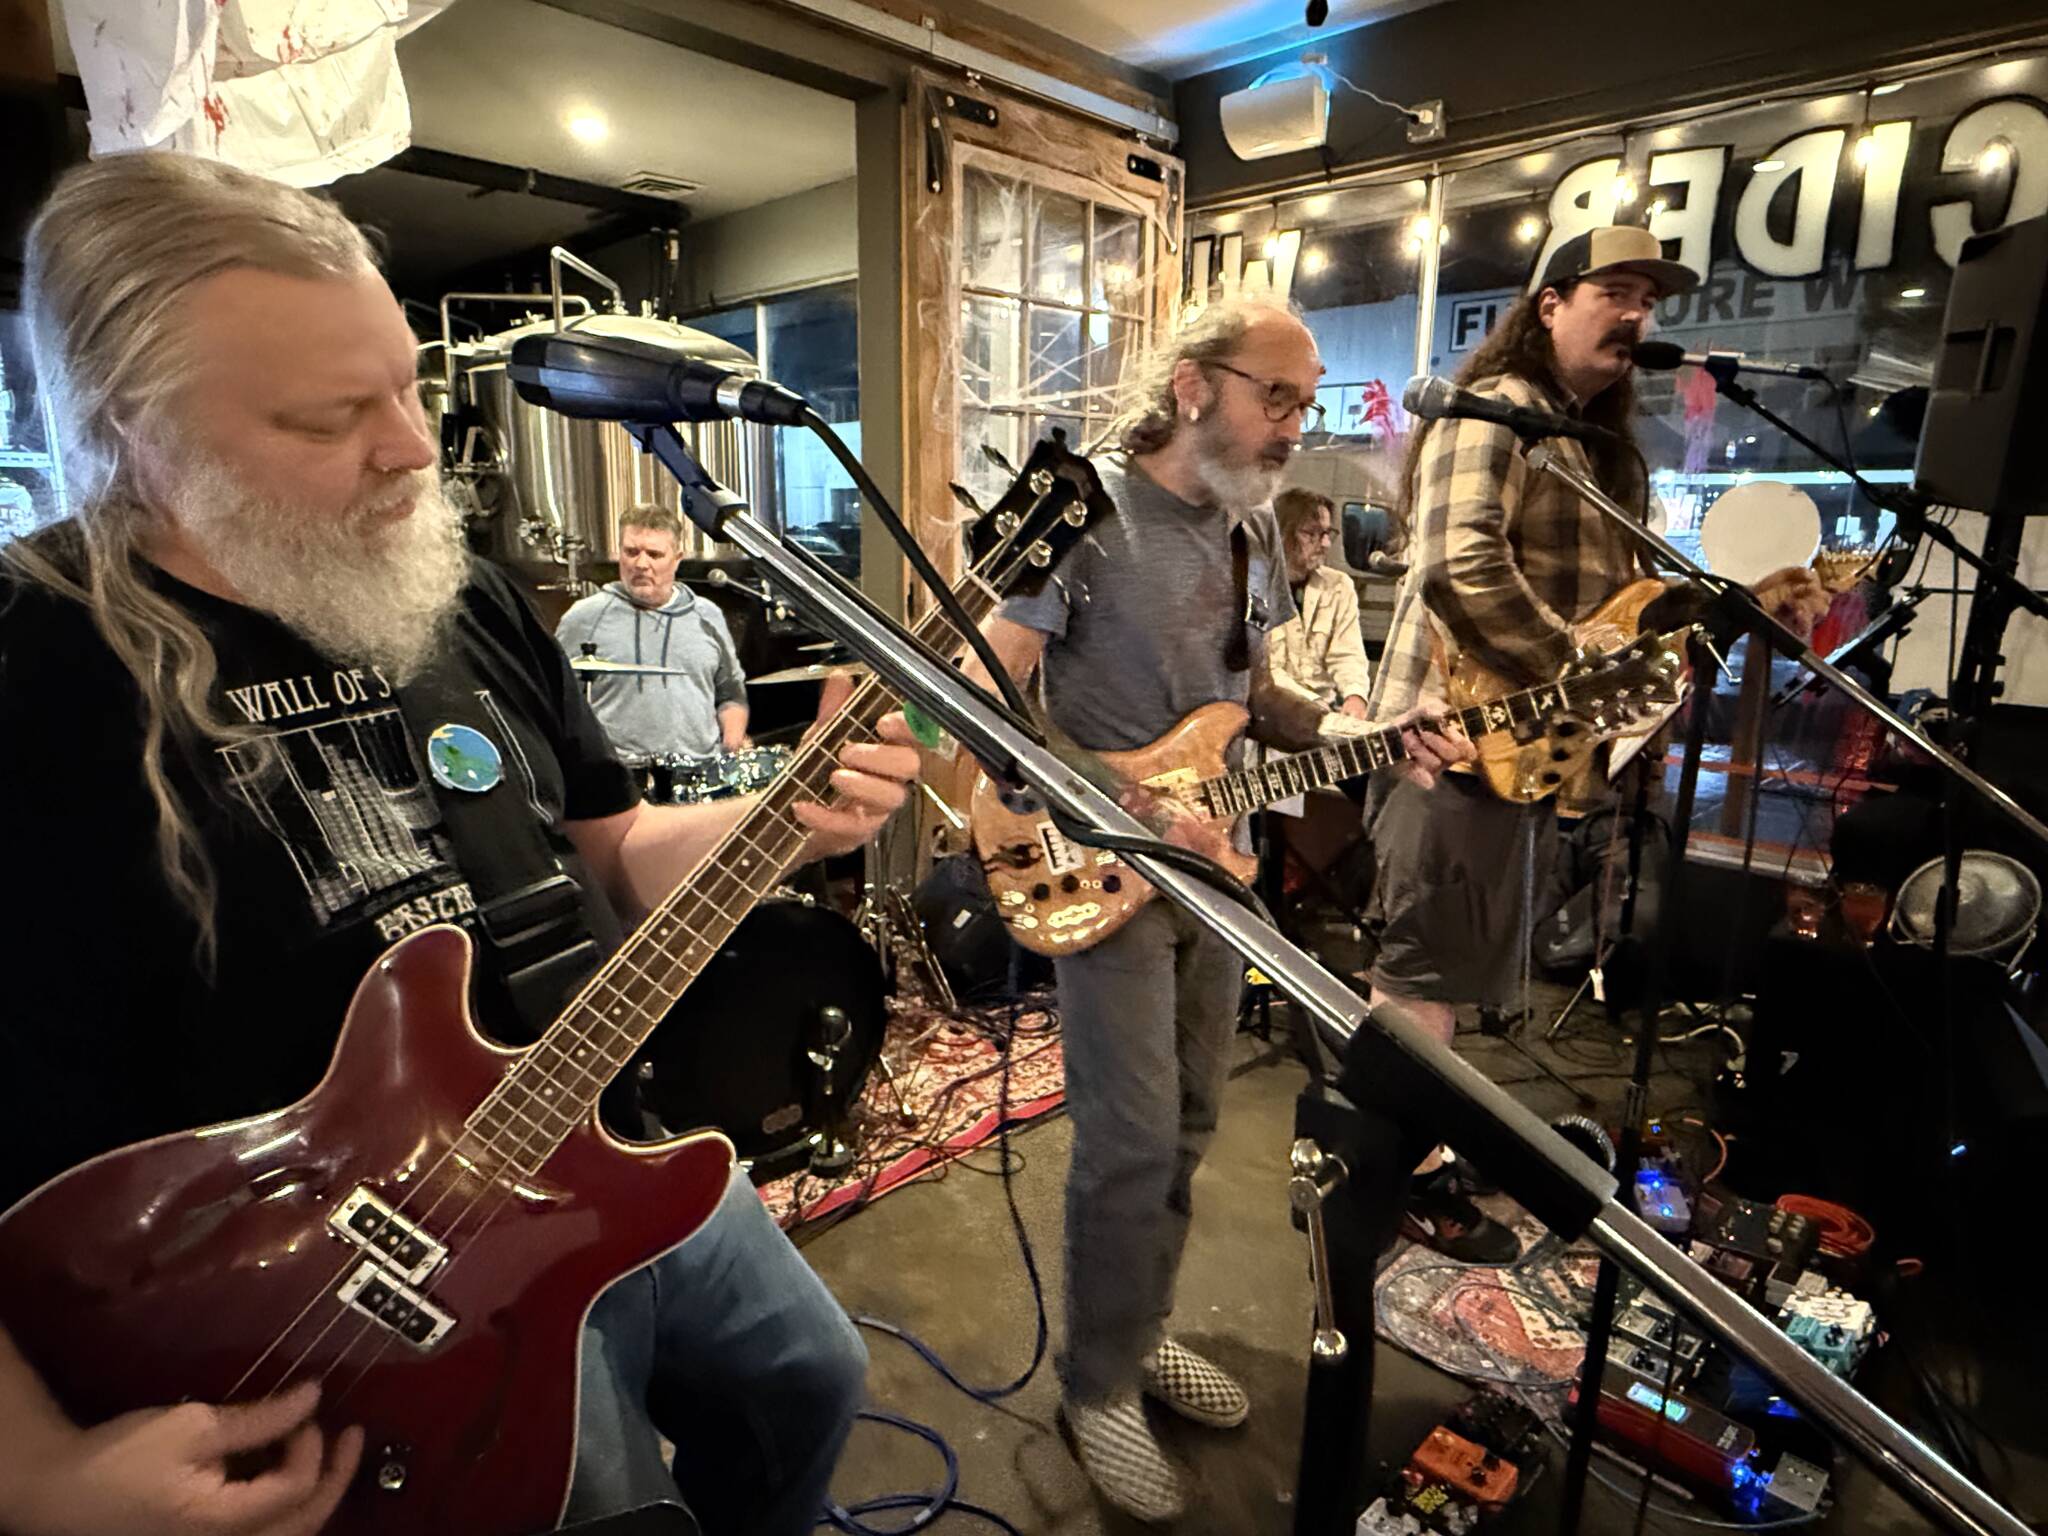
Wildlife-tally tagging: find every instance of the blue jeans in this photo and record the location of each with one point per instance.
(733, 1349)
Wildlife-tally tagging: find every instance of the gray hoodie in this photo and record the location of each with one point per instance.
(657, 716)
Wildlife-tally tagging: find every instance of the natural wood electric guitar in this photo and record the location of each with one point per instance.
(1059, 898)
(427, 1230)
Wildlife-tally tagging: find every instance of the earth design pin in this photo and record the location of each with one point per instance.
(464, 759)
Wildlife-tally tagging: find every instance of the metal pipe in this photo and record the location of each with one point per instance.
(558, 259)
(447, 337)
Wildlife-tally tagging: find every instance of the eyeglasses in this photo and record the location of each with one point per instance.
(1278, 398)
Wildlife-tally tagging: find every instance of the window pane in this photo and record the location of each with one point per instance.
(29, 486)
(814, 349)
(733, 325)
(1113, 345)
(1078, 431)
(990, 347)
(992, 234)
(1055, 370)
(1057, 225)
(998, 430)
(1118, 281)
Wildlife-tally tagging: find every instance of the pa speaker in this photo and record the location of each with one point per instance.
(1982, 446)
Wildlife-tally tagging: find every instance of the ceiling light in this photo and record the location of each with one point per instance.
(1624, 189)
(1996, 156)
(1271, 249)
(1313, 260)
(1418, 186)
(1420, 226)
(1875, 409)
(1657, 207)
(1887, 88)
(1318, 205)
(1528, 229)
(1766, 166)
(1912, 293)
(588, 125)
(1866, 149)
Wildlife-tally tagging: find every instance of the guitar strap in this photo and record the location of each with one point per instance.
(1237, 647)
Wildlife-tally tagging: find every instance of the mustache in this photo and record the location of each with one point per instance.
(1628, 334)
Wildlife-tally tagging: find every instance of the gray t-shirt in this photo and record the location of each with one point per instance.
(1142, 610)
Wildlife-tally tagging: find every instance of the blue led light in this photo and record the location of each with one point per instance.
(1959, 1149)
(1665, 1209)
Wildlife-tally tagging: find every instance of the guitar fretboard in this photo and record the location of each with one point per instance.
(1348, 757)
(555, 1084)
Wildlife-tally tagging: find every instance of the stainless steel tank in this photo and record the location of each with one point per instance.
(571, 480)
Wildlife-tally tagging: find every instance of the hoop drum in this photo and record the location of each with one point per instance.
(774, 1040)
(1998, 905)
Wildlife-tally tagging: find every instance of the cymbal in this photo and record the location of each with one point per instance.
(600, 664)
(817, 671)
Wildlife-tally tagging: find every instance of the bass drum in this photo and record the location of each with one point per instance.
(773, 1042)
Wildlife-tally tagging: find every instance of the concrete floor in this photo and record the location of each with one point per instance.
(940, 1259)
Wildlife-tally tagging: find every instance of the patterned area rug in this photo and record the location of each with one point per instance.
(1515, 1325)
(949, 1071)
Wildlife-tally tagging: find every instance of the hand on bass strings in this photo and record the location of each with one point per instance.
(1794, 597)
(869, 786)
(1433, 742)
(166, 1471)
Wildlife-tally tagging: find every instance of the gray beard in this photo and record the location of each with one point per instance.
(368, 595)
(1239, 487)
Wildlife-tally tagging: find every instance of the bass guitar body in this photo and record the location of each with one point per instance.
(353, 1238)
(1526, 768)
(1059, 898)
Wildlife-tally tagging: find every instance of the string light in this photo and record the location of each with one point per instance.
(1887, 88)
(1657, 207)
(1529, 229)
(1313, 260)
(1271, 249)
(1624, 190)
(1866, 150)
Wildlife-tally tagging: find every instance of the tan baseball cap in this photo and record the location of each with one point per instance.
(1617, 248)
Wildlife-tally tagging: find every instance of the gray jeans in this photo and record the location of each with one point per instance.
(1147, 1016)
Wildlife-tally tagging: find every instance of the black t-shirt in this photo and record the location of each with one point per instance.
(382, 810)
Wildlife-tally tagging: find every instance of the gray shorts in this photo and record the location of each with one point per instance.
(1448, 899)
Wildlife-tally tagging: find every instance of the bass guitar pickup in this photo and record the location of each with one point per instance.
(405, 1249)
(378, 1293)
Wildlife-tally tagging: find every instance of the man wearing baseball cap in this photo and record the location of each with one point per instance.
(1502, 561)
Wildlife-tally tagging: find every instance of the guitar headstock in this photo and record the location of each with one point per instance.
(1055, 499)
(1618, 687)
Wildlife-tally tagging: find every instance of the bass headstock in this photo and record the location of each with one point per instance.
(1054, 501)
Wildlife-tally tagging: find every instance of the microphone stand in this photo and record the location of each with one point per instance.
(1394, 1057)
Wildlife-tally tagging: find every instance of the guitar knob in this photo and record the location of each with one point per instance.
(1041, 891)
(1070, 883)
(1112, 883)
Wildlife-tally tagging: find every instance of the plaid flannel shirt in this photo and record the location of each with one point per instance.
(1500, 559)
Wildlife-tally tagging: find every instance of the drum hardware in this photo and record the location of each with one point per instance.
(1998, 907)
(676, 779)
(912, 929)
(830, 1151)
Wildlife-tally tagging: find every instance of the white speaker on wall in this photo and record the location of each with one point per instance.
(1276, 117)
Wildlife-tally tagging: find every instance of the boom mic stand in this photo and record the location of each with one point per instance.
(1737, 607)
(1394, 1058)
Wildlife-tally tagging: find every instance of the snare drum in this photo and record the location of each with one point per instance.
(1998, 906)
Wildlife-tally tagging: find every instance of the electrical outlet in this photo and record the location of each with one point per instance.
(1427, 125)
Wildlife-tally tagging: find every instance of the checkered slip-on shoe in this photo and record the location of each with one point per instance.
(1123, 1460)
(1193, 1388)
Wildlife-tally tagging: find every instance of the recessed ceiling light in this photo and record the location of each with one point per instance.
(1912, 293)
(587, 125)
(1769, 165)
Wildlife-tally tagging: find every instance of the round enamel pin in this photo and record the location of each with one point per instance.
(465, 759)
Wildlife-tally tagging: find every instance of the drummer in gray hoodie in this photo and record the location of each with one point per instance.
(646, 618)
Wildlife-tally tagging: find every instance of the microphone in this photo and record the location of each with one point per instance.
(1669, 354)
(1434, 398)
(1380, 563)
(618, 378)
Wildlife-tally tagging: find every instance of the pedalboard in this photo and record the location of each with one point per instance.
(1672, 1432)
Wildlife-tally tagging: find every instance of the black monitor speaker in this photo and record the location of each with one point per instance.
(1982, 446)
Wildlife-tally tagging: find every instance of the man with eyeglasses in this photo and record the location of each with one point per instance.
(1164, 608)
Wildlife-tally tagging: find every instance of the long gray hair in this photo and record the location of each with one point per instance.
(1152, 415)
(111, 259)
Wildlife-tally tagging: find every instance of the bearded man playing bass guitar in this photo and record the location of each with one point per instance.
(263, 717)
(1502, 561)
(1162, 611)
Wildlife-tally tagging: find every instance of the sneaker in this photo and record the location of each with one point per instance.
(1438, 1217)
(1124, 1461)
(1194, 1388)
